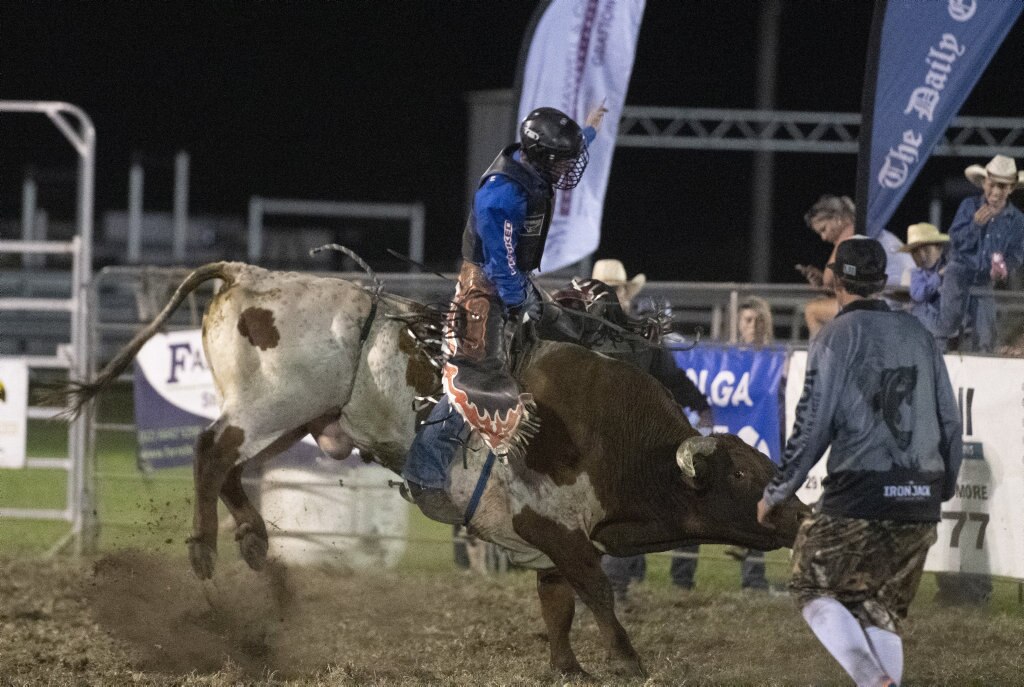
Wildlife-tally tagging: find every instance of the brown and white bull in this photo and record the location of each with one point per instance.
(615, 466)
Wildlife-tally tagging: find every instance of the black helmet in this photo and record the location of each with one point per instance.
(554, 145)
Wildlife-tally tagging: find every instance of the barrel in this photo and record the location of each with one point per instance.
(334, 513)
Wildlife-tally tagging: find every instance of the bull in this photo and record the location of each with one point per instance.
(614, 467)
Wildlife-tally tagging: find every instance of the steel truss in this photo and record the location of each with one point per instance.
(798, 132)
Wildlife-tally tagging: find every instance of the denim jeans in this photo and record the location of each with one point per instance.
(622, 571)
(973, 317)
(683, 569)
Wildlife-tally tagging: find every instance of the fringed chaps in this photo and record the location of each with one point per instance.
(476, 376)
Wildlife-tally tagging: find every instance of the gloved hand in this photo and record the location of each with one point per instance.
(531, 308)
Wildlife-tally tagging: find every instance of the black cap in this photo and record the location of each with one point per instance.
(859, 259)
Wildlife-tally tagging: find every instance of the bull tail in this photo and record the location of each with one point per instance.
(73, 395)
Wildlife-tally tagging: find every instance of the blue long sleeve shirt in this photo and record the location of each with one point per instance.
(972, 245)
(925, 287)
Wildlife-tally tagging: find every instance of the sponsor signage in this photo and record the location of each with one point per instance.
(742, 386)
(980, 528)
(13, 412)
(175, 400)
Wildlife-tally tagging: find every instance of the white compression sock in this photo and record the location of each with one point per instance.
(888, 649)
(840, 632)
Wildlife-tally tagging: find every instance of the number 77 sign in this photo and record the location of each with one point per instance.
(980, 528)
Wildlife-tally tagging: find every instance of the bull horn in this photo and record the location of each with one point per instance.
(694, 446)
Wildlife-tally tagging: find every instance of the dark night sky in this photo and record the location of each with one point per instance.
(364, 101)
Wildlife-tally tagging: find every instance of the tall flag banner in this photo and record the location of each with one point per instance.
(580, 54)
(923, 60)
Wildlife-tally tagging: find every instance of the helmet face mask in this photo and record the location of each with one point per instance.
(563, 173)
(554, 145)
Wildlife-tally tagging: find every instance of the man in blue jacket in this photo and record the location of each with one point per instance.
(502, 243)
(986, 244)
(877, 390)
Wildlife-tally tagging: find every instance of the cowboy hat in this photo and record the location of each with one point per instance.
(1000, 168)
(613, 273)
(923, 234)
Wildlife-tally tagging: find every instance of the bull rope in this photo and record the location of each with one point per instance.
(378, 285)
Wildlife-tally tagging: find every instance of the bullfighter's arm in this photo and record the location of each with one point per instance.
(814, 414)
(500, 208)
(951, 443)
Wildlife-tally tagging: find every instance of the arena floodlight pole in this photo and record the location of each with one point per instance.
(78, 129)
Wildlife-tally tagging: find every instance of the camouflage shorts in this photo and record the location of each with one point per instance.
(872, 567)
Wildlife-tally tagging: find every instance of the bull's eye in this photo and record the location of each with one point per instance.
(739, 474)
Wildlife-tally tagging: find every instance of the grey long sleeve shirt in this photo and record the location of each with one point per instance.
(878, 391)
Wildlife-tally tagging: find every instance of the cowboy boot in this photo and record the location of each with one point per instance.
(476, 376)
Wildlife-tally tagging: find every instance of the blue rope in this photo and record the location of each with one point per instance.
(481, 484)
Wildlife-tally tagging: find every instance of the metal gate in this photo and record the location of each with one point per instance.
(74, 356)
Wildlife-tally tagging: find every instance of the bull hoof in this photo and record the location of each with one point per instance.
(572, 672)
(628, 667)
(202, 557)
(252, 546)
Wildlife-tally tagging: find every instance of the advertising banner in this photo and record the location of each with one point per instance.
(580, 54)
(980, 530)
(13, 412)
(742, 386)
(923, 60)
(175, 400)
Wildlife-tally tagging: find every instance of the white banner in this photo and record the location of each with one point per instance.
(980, 531)
(175, 366)
(581, 54)
(13, 412)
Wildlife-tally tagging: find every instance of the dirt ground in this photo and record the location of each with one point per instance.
(143, 619)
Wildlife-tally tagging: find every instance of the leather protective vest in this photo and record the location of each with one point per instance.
(538, 213)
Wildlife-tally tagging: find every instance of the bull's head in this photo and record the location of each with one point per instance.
(727, 478)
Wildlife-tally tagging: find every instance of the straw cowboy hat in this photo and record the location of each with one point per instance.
(613, 273)
(1000, 168)
(923, 234)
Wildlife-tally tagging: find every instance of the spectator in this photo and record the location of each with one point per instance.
(754, 322)
(986, 244)
(928, 248)
(613, 273)
(755, 329)
(832, 219)
(878, 392)
(622, 571)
